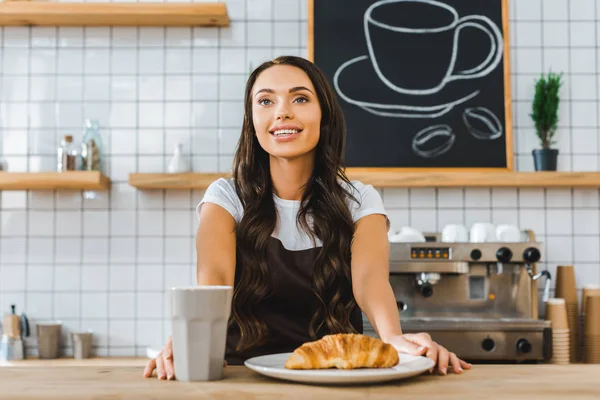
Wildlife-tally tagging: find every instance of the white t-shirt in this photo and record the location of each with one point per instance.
(222, 192)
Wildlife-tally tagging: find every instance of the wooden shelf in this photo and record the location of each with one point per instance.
(400, 179)
(48, 13)
(74, 180)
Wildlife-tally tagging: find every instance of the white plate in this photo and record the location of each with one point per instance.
(273, 366)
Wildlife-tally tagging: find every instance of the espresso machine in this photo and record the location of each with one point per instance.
(477, 299)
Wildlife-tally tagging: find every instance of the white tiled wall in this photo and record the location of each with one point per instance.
(104, 263)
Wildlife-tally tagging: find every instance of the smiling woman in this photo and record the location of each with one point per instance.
(305, 249)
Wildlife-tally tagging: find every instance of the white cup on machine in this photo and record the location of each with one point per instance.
(455, 233)
(199, 317)
(508, 233)
(482, 232)
(407, 234)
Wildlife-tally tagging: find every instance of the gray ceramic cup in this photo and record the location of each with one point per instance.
(48, 335)
(199, 318)
(82, 344)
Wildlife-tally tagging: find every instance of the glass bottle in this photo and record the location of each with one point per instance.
(91, 147)
(67, 155)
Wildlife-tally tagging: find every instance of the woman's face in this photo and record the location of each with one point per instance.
(286, 112)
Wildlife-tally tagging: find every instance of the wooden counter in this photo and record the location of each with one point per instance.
(122, 379)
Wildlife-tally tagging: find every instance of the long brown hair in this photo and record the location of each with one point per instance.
(324, 199)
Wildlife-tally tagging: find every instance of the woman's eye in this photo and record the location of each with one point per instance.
(263, 102)
(301, 99)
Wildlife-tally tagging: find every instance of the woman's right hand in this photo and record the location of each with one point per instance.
(163, 363)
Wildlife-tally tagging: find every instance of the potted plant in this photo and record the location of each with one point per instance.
(545, 116)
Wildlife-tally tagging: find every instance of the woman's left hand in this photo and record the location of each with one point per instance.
(420, 344)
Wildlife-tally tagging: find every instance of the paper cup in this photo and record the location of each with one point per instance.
(591, 323)
(586, 291)
(565, 284)
(556, 312)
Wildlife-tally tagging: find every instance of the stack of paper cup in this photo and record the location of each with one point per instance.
(587, 290)
(556, 312)
(566, 289)
(591, 329)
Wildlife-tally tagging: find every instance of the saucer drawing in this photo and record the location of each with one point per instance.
(375, 97)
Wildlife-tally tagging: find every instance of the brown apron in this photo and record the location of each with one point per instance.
(289, 310)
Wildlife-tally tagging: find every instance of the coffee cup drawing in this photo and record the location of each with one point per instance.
(391, 36)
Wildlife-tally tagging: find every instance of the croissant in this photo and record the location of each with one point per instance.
(343, 351)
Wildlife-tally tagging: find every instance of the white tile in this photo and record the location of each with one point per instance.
(96, 36)
(531, 197)
(286, 34)
(231, 114)
(150, 277)
(585, 114)
(178, 222)
(150, 199)
(39, 306)
(582, 34)
(177, 250)
(395, 197)
(205, 114)
(12, 277)
(233, 60)
(179, 275)
(122, 306)
(120, 168)
(449, 216)
(150, 115)
(70, 36)
(423, 220)
(68, 250)
(586, 222)
(450, 198)
(151, 141)
(585, 198)
(95, 250)
(152, 37)
(122, 249)
(228, 139)
(205, 37)
(124, 88)
(151, 87)
(97, 88)
(583, 87)
(122, 196)
(286, 10)
(149, 333)
(67, 278)
(585, 163)
(178, 88)
(559, 249)
(99, 329)
(94, 278)
(205, 60)
(525, 88)
(560, 222)
(260, 34)
(124, 61)
(15, 88)
(17, 163)
(504, 197)
(43, 61)
(225, 163)
(70, 61)
(149, 304)
(473, 216)
(124, 36)
(177, 199)
(176, 36)
(586, 249)
(150, 250)
(14, 223)
(42, 88)
(16, 36)
(257, 56)
(532, 219)
(39, 278)
(122, 223)
(528, 60)
(304, 37)
(41, 223)
(94, 305)
(558, 198)
(123, 141)
(178, 114)
(555, 33)
(234, 35)
(121, 333)
(43, 36)
(121, 277)
(12, 200)
(68, 223)
(205, 87)
(15, 116)
(582, 10)
(205, 164)
(151, 61)
(529, 34)
(231, 87)
(422, 198)
(585, 141)
(477, 197)
(259, 9)
(95, 223)
(503, 216)
(556, 60)
(12, 250)
(178, 61)
(555, 9)
(582, 61)
(528, 9)
(66, 305)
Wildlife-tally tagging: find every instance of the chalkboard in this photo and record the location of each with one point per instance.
(423, 83)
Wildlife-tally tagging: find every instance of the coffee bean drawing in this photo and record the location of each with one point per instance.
(433, 141)
(482, 123)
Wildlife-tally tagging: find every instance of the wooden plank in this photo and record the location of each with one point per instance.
(75, 180)
(518, 381)
(41, 13)
(406, 178)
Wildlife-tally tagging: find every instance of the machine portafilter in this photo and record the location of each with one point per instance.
(531, 255)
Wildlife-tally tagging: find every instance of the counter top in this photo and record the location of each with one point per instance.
(121, 378)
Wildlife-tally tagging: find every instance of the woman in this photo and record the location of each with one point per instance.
(304, 248)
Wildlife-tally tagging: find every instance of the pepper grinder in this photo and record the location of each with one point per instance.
(15, 328)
